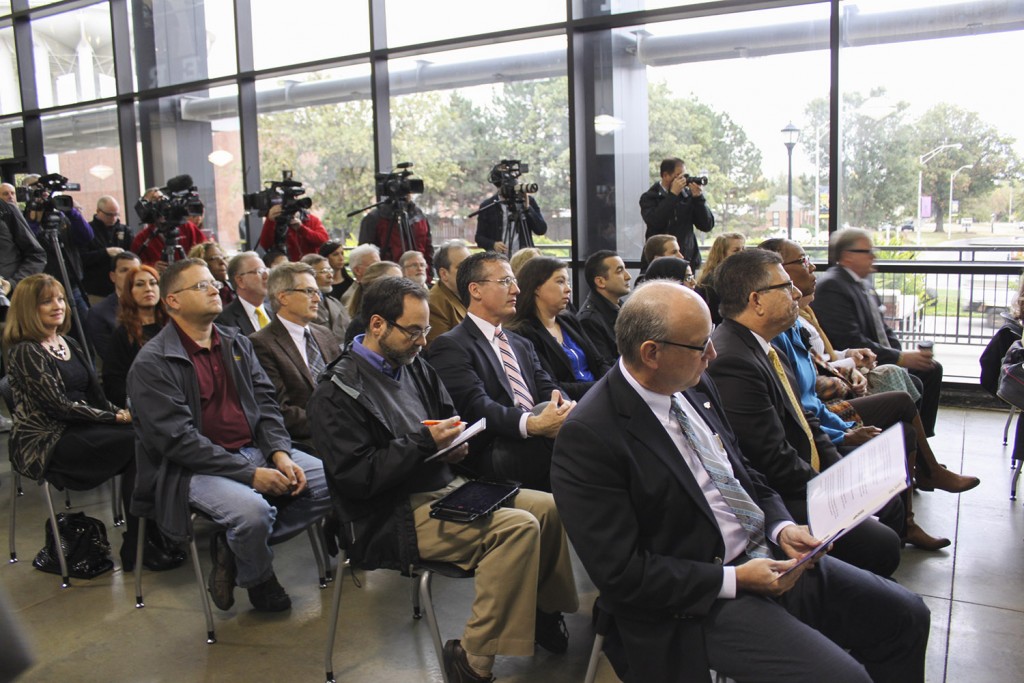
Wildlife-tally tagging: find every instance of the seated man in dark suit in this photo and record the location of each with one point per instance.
(248, 312)
(496, 374)
(782, 440)
(368, 414)
(848, 309)
(292, 349)
(687, 543)
(99, 326)
(608, 280)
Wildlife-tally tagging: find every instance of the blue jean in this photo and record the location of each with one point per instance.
(254, 522)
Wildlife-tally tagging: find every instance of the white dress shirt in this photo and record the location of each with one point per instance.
(489, 332)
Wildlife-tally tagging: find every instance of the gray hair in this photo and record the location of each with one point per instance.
(641, 318)
(442, 258)
(845, 239)
(741, 274)
(356, 256)
(283, 277)
(408, 256)
(235, 264)
(313, 260)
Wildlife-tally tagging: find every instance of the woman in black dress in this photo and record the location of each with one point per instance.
(64, 427)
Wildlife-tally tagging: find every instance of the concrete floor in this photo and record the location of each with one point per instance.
(93, 632)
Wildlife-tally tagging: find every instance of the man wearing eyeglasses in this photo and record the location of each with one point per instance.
(378, 416)
(110, 238)
(850, 312)
(496, 374)
(782, 440)
(292, 348)
(249, 311)
(687, 543)
(211, 437)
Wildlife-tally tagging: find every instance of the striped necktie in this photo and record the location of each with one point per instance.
(313, 356)
(788, 388)
(515, 377)
(876, 314)
(747, 512)
(261, 317)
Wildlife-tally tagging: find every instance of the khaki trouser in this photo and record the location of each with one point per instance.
(522, 564)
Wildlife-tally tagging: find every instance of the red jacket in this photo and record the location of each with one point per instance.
(189, 236)
(305, 240)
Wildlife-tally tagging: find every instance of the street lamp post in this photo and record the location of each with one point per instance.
(949, 226)
(789, 137)
(922, 160)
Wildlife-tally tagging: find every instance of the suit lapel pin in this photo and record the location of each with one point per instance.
(707, 405)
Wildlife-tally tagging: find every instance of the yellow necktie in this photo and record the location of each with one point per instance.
(788, 388)
(261, 317)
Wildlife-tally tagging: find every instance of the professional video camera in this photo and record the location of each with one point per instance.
(506, 176)
(398, 183)
(285, 193)
(42, 197)
(179, 200)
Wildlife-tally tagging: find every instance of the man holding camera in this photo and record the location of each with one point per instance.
(150, 243)
(675, 206)
(492, 220)
(304, 233)
(20, 253)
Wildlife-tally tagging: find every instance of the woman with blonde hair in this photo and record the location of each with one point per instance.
(724, 246)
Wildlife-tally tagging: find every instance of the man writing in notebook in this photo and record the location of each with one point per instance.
(367, 417)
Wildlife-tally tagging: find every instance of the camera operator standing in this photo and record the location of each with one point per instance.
(21, 254)
(305, 233)
(396, 224)
(162, 233)
(675, 206)
(110, 238)
(492, 223)
(73, 232)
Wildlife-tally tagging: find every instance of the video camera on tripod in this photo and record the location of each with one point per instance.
(398, 184)
(168, 211)
(43, 197)
(393, 190)
(286, 193)
(505, 175)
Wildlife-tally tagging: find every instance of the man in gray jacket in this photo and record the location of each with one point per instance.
(210, 436)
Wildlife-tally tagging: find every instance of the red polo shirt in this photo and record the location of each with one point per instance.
(223, 420)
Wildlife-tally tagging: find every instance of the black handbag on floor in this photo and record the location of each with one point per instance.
(85, 544)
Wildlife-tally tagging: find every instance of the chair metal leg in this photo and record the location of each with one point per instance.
(17, 484)
(211, 636)
(55, 528)
(10, 535)
(1006, 427)
(139, 549)
(428, 607)
(314, 533)
(332, 626)
(595, 657)
(417, 612)
(1018, 464)
(117, 509)
(67, 499)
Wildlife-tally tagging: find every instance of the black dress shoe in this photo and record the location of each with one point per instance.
(551, 633)
(222, 577)
(269, 596)
(456, 665)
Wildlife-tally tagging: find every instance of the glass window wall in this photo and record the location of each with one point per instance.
(10, 85)
(284, 35)
(73, 54)
(83, 146)
(411, 22)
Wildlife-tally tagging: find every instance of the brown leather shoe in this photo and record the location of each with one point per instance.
(457, 667)
(945, 480)
(919, 537)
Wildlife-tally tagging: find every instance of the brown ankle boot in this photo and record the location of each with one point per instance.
(944, 480)
(919, 537)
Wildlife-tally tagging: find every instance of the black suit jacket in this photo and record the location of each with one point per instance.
(490, 224)
(290, 376)
(597, 316)
(553, 359)
(471, 372)
(640, 523)
(844, 310)
(235, 316)
(767, 424)
(667, 214)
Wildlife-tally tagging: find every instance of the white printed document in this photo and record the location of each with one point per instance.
(467, 434)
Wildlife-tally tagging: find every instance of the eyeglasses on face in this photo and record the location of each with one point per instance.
(804, 261)
(505, 282)
(788, 284)
(259, 271)
(703, 348)
(325, 271)
(411, 333)
(862, 251)
(311, 292)
(201, 286)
